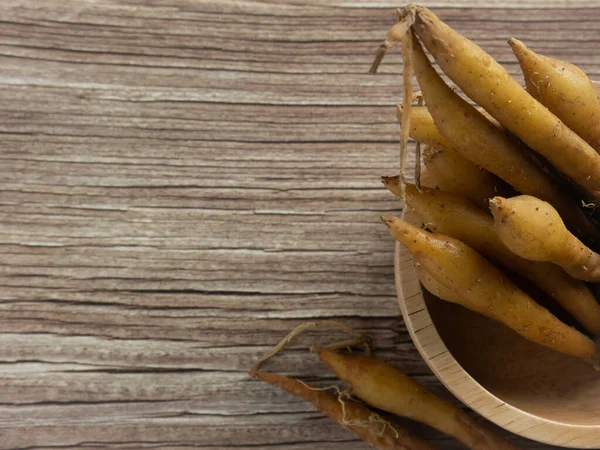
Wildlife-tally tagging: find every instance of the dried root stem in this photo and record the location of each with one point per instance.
(418, 152)
(405, 18)
(400, 32)
(360, 339)
(406, 111)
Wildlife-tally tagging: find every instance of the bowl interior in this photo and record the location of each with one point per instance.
(525, 375)
(546, 388)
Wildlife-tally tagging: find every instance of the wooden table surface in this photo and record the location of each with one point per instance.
(182, 183)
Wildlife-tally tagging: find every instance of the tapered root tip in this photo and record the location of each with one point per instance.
(404, 232)
(388, 220)
(335, 361)
(378, 58)
(411, 8)
(322, 352)
(392, 184)
(517, 46)
(393, 180)
(325, 355)
(399, 111)
(268, 377)
(497, 206)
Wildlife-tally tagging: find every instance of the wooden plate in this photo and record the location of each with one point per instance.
(520, 386)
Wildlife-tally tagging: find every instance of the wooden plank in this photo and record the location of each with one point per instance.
(182, 183)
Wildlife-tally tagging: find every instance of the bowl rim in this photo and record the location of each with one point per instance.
(465, 388)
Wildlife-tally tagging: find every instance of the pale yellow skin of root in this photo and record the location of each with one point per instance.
(453, 216)
(436, 288)
(385, 387)
(428, 180)
(456, 174)
(451, 171)
(422, 127)
(355, 417)
(487, 290)
(533, 229)
(562, 88)
(478, 140)
(488, 84)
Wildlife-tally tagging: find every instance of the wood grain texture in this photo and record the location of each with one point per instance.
(182, 183)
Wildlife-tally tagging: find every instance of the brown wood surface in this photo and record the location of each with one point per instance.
(181, 183)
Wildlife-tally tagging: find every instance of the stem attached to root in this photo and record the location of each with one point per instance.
(361, 339)
(346, 344)
(401, 32)
(404, 20)
(418, 153)
(407, 73)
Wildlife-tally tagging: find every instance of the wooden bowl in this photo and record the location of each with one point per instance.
(520, 386)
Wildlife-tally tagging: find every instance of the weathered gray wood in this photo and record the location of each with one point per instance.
(182, 183)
